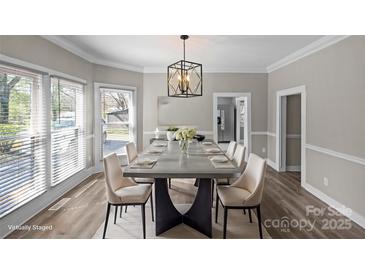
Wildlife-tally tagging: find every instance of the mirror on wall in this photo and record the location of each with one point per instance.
(188, 112)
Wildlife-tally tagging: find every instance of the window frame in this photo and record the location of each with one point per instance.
(52, 193)
(77, 126)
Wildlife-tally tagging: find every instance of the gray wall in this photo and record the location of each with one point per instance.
(335, 86)
(202, 107)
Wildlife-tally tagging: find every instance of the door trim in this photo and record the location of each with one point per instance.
(279, 94)
(247, 95)
(97, 117)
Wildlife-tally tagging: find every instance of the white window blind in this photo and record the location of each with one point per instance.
(68, 142)
(22, 138)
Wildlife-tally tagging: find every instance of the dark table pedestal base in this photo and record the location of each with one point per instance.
(199, 216)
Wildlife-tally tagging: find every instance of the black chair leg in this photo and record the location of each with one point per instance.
(259, 220)
(125, 211)
(121, 211)
(169, 182)
(143, 220)
(244, 211)
(213, 193)
(115, 214)
(249, 215)
(153, 218)
(225, 223)
(106, 220)
(216, 207)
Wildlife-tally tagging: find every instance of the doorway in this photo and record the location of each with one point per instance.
(115, 121)
(290, 131)
(232, 119)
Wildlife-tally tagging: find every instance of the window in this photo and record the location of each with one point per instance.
(22, 138)
(68, 144)
(116, 119)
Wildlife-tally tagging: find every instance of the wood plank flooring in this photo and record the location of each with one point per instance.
(283, 199)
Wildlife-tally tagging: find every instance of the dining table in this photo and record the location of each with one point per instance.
(162, 160)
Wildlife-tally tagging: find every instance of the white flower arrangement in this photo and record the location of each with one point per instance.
(185, 134)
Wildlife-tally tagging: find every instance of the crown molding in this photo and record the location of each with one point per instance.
(317, 45)
(210, 70)
(63, 43)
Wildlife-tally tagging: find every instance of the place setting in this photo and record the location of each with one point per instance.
(142, 162)
(221, 161)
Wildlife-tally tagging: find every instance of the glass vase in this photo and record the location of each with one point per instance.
(184, 146)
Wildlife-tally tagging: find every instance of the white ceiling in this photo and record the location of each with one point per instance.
(153, 53)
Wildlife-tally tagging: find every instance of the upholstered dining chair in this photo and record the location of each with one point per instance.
(231, 149)
(132, 154)
(239, 159)
(124, 191)
(245, 192)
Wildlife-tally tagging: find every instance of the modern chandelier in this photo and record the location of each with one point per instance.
(185, 78)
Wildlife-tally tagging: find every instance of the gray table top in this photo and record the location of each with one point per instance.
(171, 163)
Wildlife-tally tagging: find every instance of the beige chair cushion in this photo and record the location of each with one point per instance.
(134, 194)
(239, 156)
(231, 149)
(114, 178)
(248, 187)
(232, 196)
(222, 181)
(131, 151)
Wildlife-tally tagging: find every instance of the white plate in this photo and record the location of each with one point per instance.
(159, 145)
(207, 143)
(144, 162)
(219, 159)
(154, 151)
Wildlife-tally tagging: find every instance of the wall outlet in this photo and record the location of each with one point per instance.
(325, 181)
(264, 150)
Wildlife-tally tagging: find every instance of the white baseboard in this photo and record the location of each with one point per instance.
(271, 164)
(293, 168)
(354, 216)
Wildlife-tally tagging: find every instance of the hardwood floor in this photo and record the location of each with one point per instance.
(283, 201)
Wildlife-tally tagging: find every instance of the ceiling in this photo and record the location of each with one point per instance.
(153, 53)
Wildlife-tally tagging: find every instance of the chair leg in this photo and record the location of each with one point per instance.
(225, 223)
(213, 193)
(121, 211)
(216, 207)
(125, 211)
(106, 220)
(244, 211)
(115, 214)
(143, 221)
(259, 220)
(169, 182)
(249, 215)
(153, 218)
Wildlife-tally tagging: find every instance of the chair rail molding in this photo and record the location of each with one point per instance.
(344, 156)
